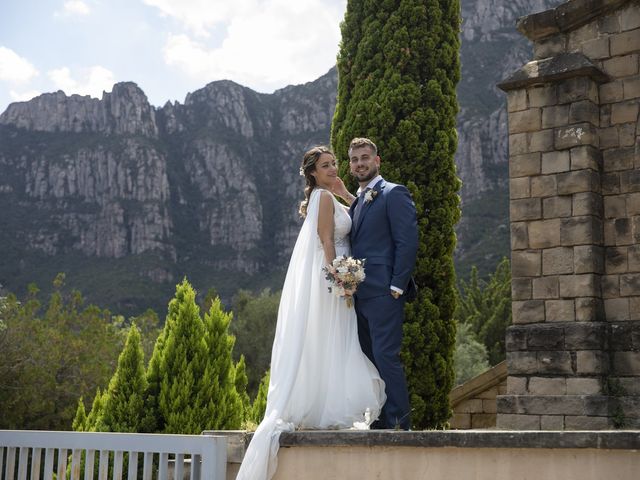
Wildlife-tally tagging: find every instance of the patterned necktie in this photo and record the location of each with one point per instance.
(359, 207)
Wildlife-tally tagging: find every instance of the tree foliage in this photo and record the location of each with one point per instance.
(398, 68)
(51, 355)
(260, 402)
(227, 400)
(149, 326)
(191, 375)
(123, 406)
(470, 358)
(485, 305)
(241, 382)
(120, 408)
(93, 421)
(80, 420)
(254, 324)
(55, 356)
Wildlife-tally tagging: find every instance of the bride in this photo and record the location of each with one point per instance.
(320, 379)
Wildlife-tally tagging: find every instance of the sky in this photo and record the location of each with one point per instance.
(167, 47)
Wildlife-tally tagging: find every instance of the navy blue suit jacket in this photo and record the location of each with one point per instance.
(387, 237)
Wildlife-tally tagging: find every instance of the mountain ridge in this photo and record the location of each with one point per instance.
(128, 198)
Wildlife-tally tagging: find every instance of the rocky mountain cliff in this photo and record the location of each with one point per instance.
(127, 198)
(491, 50)
(113, 187)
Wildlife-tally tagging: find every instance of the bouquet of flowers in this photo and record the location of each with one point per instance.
(344, 274)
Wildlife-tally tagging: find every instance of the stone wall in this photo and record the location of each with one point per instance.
(573, 351)
(474, 402)
(446, 455)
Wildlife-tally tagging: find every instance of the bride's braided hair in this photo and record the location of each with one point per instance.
(308, 166)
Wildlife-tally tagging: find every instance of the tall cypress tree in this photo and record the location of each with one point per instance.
(80, 420)
(241, 382)
(191, 373)
(93, 422)
(153, 420)
(259, 405)
(179, 363)
(229, 408)
(123, 407)
(398, 68)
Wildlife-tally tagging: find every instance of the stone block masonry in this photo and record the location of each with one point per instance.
(474, 402)
(573, 351)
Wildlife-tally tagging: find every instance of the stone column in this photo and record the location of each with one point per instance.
(572, 237)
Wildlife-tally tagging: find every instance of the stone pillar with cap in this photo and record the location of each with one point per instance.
(573, 350)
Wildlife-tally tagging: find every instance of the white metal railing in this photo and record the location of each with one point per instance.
(163, 456)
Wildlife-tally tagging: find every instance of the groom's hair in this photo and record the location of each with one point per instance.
(363, 142)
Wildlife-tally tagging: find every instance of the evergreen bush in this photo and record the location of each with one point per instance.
(485, 305)
(123, 407)
(191, 375)
(260, 402)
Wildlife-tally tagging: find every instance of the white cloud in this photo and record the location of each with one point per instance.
(23, 96)
(76, 7)
(200, 15)
(276, 43)
(92, 81)
(14, 68)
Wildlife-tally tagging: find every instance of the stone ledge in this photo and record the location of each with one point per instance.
(610, 440)
(553, 69)
(565, 17)
(238, 440)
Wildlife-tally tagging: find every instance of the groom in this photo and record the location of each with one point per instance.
(385, 233)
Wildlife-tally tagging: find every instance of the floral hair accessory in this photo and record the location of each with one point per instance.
(301, 172)
(370, 195)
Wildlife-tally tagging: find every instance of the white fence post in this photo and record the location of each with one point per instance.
(206, 455)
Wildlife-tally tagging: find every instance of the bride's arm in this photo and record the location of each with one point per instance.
(341, 191)
(326, 226)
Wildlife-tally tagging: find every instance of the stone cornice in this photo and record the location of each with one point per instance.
(613, 440)
(553, 69)
(600, 439)
(565, 17)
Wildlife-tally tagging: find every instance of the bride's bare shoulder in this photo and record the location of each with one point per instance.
(326, 200)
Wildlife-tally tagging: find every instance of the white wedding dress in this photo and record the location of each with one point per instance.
(320, 379)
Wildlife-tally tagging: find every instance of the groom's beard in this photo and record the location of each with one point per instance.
(367, 177)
